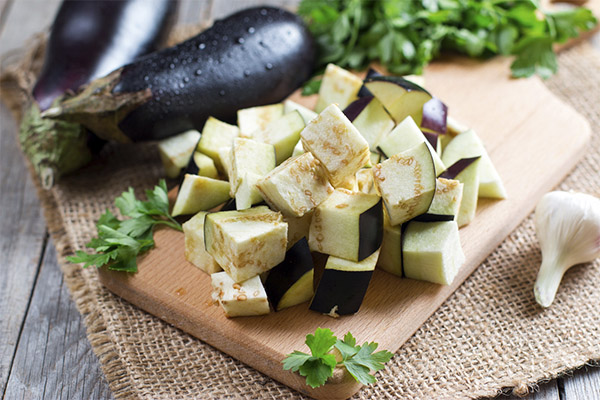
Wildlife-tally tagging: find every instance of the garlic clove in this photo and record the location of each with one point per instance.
(568, 229)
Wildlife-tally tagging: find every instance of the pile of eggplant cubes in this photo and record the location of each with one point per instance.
(377, 176)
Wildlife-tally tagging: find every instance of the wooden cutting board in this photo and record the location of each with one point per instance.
(533, 138)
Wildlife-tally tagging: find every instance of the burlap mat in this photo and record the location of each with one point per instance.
(489, 337)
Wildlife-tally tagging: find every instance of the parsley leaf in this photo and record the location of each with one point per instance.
(318, 366)
(406, 35)
(119, 242)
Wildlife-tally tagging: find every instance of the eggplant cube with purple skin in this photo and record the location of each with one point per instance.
(466, 170)
(291, 282)
(195, 252)
(239, 299)
(406, 182)
(297, 186)
(390, 255)
(347, 225)
(402, 98)
(370, 118)
(343, 285)
(337, 144)
(406, 135)
(246, 243)
(432, 252)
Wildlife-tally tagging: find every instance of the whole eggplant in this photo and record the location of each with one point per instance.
(254, 57)
(88, 39)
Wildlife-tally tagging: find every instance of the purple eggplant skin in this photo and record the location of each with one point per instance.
(254, 57)
(89, 39)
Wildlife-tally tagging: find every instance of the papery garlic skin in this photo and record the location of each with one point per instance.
(568, 229)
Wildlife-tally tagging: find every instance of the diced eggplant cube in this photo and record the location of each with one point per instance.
(307, 115)
(240, 299)
(247, 194)
(246, 243)
(373, 122)
(432, 251)
(296, 186)
(336, 143)
(283, 133)
(216, 134)
(195, 252)
(466, 170)
(364, 182)
(447, 198)
(225, 160)
(343, 285)
(406, 182)
(199, 193)
(390, 255)
(175, 152)
(404, 136)
(337, 87)
(402, 98)
(291, 282)
(298, 227)
(298, 149)
(248, 155)
(257, 118)
(466, 145)
(203, 165)
(347, 225)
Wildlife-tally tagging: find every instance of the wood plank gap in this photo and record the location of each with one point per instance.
(4, 14)
(33, 286)
(560, 382)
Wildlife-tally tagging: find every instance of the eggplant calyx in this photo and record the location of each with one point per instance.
(99, 109)
(53, 147)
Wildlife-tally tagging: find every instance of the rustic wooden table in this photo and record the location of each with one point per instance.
(44, 352)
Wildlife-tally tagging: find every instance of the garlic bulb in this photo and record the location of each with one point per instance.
(568, 229)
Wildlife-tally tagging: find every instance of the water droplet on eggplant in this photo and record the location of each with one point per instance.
(269, 66)
(171, 66)
(240, 40)
(263, 12)
(201, 46)
(186, 79)
(222, 93)
(251, 30)
(246, 73)
(198, 72)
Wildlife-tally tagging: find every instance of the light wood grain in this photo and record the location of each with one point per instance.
(53, 345)
(584, 384)
(532, 154)
(22, 230)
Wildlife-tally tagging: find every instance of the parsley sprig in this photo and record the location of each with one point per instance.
(119, 242)
(318, 366)
(406, 35)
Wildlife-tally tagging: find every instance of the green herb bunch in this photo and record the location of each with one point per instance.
(405, 35)
(318, 366)
(119, 242)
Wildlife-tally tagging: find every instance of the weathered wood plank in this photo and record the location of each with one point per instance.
(21, 241)
(546, 391)
(54, 359)
(26, 18)
(5, 6)
(222, 8)
(584, 384)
